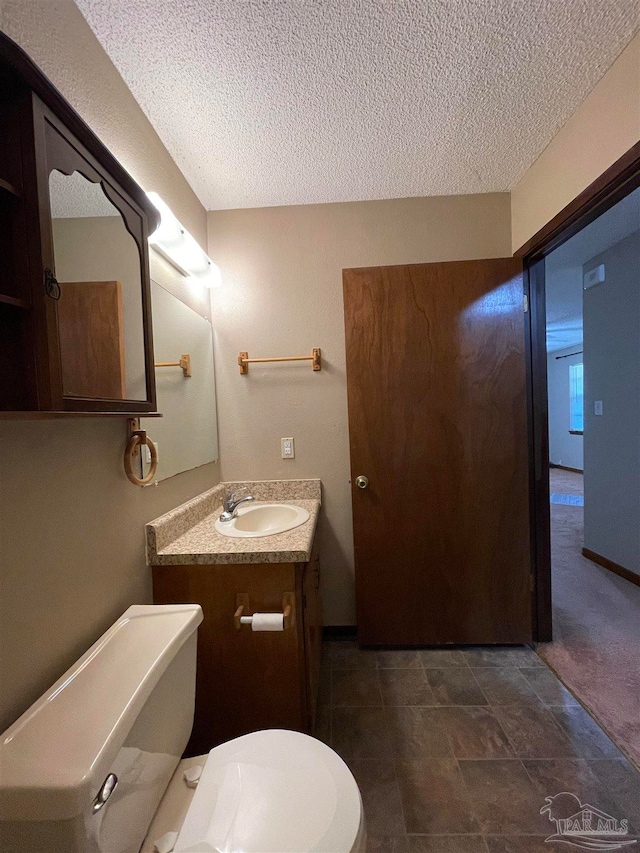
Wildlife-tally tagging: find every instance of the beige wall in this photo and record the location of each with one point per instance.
(603, 128)
(71, 525)
(282, 295)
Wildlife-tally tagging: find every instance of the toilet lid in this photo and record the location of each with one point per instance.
(272, 792)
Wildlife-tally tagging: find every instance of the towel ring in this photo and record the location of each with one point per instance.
(138, 439)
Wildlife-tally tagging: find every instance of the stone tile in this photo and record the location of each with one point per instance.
(360, 733)
(501, 656)
(440, 658)
(447, 844)
(533, 732)
(434, 798)
(455, 686)
(576, 777)
(622, 781)
(405, 687)
(585, 734)
(380, 797)
(516, 844)
(355, 687)
(387, 844)
(398, 659)
(324, 688)
(345, 654)
(322, 728)
(416, 733)
(505, 685)
(504, 799)
(548, 688)
(474, 732)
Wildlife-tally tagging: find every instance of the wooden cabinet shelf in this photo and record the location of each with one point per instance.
(6, 187)
(41, 416)
(14, 302)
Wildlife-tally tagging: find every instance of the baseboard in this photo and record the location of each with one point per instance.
(566, 468)
(627, 574)
(339, 632)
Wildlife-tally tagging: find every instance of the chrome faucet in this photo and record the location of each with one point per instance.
(231, 502)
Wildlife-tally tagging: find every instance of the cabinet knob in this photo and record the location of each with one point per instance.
(362, 482)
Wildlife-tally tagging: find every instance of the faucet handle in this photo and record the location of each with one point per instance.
(231, 497)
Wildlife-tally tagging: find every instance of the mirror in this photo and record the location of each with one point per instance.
(187, 434)
(100, 316)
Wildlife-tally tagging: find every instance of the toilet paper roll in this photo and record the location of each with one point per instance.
(267, 622)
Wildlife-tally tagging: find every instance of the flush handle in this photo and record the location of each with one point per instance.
(362, 482)
(108, 787)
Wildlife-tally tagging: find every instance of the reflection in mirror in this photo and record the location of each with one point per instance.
(187, 434)
(97, 264)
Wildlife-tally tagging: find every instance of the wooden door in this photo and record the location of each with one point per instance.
(437, 423)
(91, 336)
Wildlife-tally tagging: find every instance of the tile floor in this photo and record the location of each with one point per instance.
(455, 750)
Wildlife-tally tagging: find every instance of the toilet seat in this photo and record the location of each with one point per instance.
(273, 792)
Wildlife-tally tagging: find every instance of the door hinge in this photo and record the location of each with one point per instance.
(525, 302)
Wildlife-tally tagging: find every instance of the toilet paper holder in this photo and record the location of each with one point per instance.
(243, 617)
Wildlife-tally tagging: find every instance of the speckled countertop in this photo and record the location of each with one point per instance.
(186, 535)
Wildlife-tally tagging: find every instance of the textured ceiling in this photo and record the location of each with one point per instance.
(273, 102)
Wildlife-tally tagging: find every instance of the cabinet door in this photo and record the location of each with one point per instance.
(93, 249)
(312, 633)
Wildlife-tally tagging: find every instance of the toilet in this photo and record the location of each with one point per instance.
(94, 766)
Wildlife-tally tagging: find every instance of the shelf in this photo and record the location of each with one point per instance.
(41, 416)
(14, 302)
(9, 188)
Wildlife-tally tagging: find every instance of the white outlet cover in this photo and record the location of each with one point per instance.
(288, 448)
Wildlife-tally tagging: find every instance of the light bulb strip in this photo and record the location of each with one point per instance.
(172, 240)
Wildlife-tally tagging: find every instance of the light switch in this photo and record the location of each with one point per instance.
(597, 407)
(288, 448)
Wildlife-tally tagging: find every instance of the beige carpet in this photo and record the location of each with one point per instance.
(596, 646)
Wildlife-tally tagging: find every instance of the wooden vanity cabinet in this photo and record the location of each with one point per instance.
(250, 680)
(56, 176)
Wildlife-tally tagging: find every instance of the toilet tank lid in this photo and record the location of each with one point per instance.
(50, 755)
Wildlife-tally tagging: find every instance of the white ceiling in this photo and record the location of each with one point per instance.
(563, 269)
(275, 102)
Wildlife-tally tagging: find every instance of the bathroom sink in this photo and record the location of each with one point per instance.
(263, 520)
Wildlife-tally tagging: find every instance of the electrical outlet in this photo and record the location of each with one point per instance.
(597, 407)
(146, 454)
(287, 448)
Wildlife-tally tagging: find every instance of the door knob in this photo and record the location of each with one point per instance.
(362, 482)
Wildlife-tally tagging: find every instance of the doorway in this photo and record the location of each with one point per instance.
(585, 461)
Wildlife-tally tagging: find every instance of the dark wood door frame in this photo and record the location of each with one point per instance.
(619, 180)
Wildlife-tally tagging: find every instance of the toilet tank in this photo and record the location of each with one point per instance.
(125, 708)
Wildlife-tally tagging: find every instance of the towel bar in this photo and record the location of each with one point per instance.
(244, 361)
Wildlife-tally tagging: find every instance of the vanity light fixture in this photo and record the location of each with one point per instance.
(172, 240)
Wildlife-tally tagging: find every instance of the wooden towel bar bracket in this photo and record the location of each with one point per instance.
(244, 361)
(184, 363)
